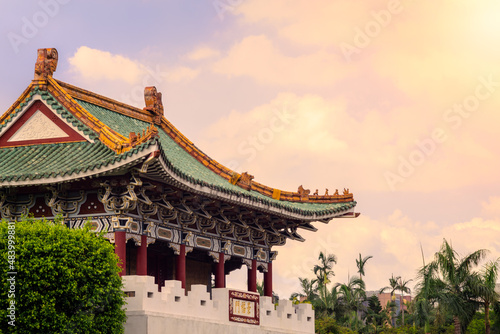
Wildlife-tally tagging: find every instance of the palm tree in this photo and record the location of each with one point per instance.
(393, 286)
(324, 270)
(423, 306)
(308, 290)
(327, 302)
(352, 296)
(450, 282)
(361, 265)
(403, 287)
(485, 289)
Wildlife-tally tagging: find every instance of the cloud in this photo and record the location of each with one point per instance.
(399, 104)
(203, 53)
(324, 23)
(477, 233)
(320, 137)
(98, 65)
(438, 62)
(491, 208)
(181, 74)
(394, 242)
(129, 77)
(258, 58)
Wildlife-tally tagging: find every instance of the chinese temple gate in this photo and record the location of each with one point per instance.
(172, 212)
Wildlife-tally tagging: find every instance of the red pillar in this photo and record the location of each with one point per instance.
(268, 280)
(180, 266)
(252, 277)
(121, 250)
(142, 257)
(220, 279)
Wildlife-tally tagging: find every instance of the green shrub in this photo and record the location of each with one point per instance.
(66, 280)
(328, 325)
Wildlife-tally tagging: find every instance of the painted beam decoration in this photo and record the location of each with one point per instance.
(244, 307)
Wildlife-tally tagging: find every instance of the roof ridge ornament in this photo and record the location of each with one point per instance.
(135, 139)
(46, 63)
(153, 103)
(303, 193)
(243, 180)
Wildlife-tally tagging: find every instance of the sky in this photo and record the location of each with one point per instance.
(396, 100)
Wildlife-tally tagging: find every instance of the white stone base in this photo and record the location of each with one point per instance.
(170, 311)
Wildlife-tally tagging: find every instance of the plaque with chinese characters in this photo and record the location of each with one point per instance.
(244, 307)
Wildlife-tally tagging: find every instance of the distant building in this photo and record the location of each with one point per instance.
(385, 298)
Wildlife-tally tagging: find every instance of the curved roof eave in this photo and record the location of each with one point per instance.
(279, 208)
(68, 176)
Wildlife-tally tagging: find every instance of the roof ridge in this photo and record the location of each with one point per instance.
(49, 100)
(114, 140)
(105, 102)
(244, 180)
(108, 136)
(25, 97)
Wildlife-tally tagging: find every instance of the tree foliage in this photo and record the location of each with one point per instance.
(323, 270)
(376, 317)
(449, 293)
(360, 263)
(66, 280)
(328, 325)
(484, 285)
(449, 281)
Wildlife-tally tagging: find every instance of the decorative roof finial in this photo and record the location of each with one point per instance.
(153, 103)
(46, 63)
(245, 181)
(303, 193)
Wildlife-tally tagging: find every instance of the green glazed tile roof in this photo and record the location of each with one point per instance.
(52, 160)
(52, 102)
(118, 122)
(61, 159)
(190, 169)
